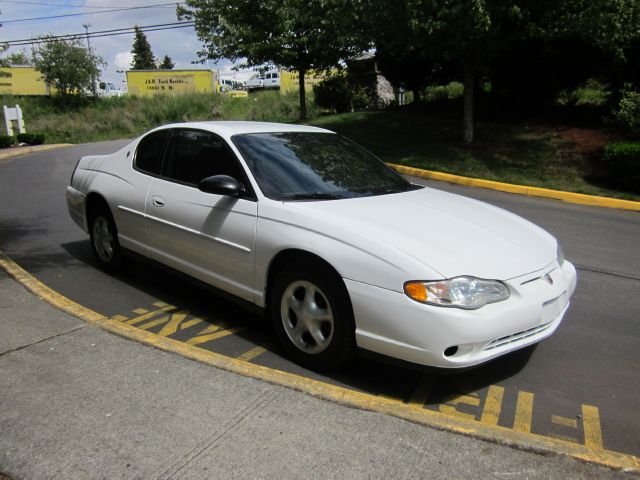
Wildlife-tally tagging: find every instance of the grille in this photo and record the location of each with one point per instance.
(516, 337)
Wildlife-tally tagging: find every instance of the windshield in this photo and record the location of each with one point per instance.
(319, 166)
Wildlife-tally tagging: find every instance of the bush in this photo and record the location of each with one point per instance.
(6, 141)
(31, 138)
(628, 112)
(334, 93)
(339, 95)
(622, 164)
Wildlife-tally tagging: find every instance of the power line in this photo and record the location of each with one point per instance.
(129, 31)
(89, 13)
(59, 5)
(74, 35)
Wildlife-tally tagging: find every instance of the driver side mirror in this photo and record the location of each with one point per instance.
(221, 185)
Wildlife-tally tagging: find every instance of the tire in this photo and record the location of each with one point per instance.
(312, 317)
(104, 239)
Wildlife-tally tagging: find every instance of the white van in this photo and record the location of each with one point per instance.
(272, 80)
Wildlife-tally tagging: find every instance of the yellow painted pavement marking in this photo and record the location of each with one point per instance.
(251, 354)
(178, 321)
(591, 427)
(564, 421)
(492, 405)
(565, 438)
(211, 328)
(390, 398)
(524, 412)
(147, 316)
(422, 391)
(592, 453)
(119, 318)
(140, 311)
(460, 400)
(160, 304)
(153, 323)
(212, 336)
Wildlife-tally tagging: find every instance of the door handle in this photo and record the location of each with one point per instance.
(157, 201)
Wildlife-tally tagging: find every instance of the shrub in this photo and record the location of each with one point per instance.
(622, 164)
(333, 93)
(31, 138)
(6, 141)
(628, 112)
(338, 94)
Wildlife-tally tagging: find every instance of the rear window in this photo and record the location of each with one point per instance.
(149, 153)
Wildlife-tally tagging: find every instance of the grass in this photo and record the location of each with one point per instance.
(126, 117)
(428, 136)
(534, 155)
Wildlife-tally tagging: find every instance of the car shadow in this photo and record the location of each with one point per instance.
(375, 376)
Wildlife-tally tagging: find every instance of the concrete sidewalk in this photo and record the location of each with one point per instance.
(77, 402)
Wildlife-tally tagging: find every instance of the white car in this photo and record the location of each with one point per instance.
(338, 249)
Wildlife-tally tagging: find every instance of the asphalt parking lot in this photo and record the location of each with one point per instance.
(579, 387)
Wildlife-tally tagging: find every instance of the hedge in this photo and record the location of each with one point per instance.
(622, 164)
(6, 141)
(31, 138)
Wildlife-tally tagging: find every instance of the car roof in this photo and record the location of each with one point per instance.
(229, 128)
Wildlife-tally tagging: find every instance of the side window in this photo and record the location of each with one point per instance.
(193, 155)
(149, 153)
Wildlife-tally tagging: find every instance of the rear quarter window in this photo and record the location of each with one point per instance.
(148, 157)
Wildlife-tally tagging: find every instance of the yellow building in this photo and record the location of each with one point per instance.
(22, 80)
(289, 80)
(171, 82)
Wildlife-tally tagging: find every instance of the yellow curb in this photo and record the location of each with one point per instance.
(569, 197)
(340, 395)
(19, 151)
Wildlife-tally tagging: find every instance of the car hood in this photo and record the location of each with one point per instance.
(451, 234)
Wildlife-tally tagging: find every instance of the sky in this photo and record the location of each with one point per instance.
(181, 45)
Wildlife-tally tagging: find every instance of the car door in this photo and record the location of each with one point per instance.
(210, 237)
(130, 198)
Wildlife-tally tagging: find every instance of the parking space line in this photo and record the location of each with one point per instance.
(178, 322)
(564, 438)
(153, 323)
(524, 412)
(199, 340)
(591, 427)
(564, 421)
(492, 405)
(119, 318)
(251, 354)
(460, 400)
(140, 311)
(422, 391)
(148, 315)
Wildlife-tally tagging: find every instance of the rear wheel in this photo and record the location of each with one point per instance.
(104, 239)
(312, 317)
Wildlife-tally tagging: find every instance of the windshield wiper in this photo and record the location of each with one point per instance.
(310, 196)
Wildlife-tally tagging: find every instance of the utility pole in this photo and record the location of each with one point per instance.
(93, 80)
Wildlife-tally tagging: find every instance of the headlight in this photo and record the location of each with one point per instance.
(560, 255)
(460, 292)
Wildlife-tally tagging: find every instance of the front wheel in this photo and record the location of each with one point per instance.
(104, 239)
(313, 318)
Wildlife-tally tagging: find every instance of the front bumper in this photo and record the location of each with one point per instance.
(391, 324)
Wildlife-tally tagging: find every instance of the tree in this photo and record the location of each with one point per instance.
(18, 58)
(143, 58)
(166, 64)
(300, 35)
(68, 66)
